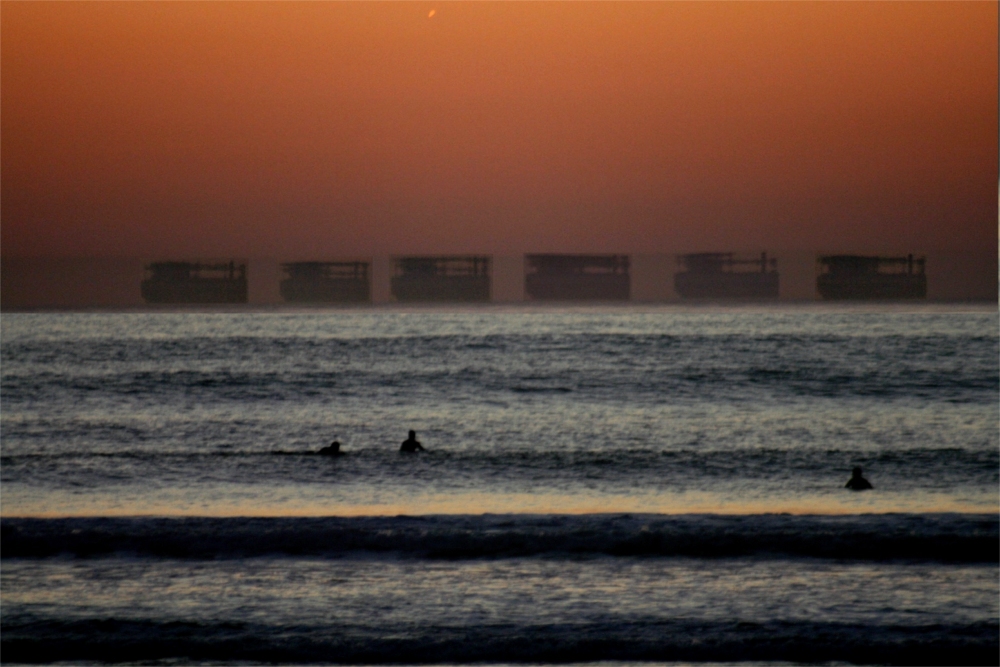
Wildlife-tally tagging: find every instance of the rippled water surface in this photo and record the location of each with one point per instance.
(601, 483)
(656, 410)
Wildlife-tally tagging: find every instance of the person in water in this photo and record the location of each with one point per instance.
(333, 449)
(411, 444)
(857, 482)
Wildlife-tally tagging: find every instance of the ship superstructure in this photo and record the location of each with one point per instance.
(577, 277)
(195, 282)
(722, 275)
(326, 282)
(867, 277)
(441, 278)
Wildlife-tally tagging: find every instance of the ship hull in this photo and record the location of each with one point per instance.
(325, 291)
(878, 286)
(410, 288)
(723, 285)
(203, 290)
(577, 287)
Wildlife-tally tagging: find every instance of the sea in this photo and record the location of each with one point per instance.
(605, 484)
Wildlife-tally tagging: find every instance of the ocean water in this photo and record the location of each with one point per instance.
(600, 484)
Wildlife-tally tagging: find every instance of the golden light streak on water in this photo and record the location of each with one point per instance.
(474, 504)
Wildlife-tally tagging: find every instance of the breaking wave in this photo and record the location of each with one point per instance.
(955, 538)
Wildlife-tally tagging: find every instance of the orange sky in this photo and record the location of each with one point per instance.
(318, 129)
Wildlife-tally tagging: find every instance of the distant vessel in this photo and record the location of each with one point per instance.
(720, 275)
(195, 282)
(860, 277)
(577, 277)
(443, 278)
(326, 282)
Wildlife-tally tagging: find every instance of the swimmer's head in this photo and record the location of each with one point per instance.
(856, 472)
(413, 434)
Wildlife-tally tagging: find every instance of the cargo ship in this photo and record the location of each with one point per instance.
(443, 278)
(326, 282)
(577, 277)
(721, 275)
(862, 277)
(195, 282)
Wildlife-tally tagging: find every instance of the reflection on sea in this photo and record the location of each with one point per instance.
(291, 501)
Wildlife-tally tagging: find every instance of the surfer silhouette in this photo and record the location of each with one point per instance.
(333, 449)
(857, 482)
(411, 444)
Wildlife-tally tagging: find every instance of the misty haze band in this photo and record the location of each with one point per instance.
(707, 276)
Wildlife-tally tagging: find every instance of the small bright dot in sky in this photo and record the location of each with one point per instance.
(432, 13)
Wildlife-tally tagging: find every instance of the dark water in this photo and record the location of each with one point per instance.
(600, 484)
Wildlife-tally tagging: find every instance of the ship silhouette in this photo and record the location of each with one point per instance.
(721, 275)
(195, 282)
(863, 277)
(326, 282)
(441, 278)
(577, 277)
